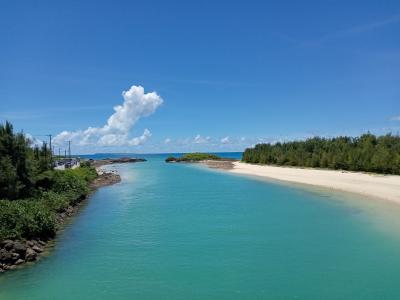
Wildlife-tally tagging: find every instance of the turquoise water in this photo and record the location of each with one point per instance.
(173, 231)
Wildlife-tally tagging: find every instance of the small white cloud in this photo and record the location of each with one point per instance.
(115, 132)
(167, 141)
(198, 139)
(225, 140)
(141, 139)
(34, 141)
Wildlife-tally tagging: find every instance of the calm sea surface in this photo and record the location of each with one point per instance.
(174, 231)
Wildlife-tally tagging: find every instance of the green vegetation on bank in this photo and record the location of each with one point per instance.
(365, 153)
(193, 157)
(31, 193)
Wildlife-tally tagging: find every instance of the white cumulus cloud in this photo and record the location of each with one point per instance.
(167, 141)
(198, 139)
(34, 141)
(116, 132)
(225, 140)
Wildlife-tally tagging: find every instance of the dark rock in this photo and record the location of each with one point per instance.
(3, 243)
(42, 243)
(19, 261)
(5, 256)
(30, 243)
(171, 159)
(69, 211)
(15, 256)
(2, 254)
(8, 245)
(37, 249)
(20, 247)
(30, 255)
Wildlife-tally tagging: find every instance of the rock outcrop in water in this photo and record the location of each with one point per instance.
(109, 161)
(15, 253)
(105, 178)
(211, 160)
(192, 157)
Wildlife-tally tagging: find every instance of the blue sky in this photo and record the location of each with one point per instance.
(229, 73)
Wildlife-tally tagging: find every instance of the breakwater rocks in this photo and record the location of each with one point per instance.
(109, 161)
(105, 178)
(15, 253)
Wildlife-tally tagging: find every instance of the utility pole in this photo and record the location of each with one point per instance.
(51, 149)
(69, 149)
(65, 153)
(45, 150)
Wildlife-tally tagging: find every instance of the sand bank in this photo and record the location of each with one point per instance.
(373, 185)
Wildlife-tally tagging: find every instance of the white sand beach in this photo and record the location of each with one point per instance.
(373, 185)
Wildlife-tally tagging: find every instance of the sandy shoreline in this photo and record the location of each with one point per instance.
(385, 187)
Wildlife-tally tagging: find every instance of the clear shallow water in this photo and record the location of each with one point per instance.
(173, 231)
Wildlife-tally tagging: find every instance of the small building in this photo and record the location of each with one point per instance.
(66, 163)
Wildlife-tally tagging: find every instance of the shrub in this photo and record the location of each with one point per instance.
(198, 156)
(25, 219)
(56, 202)
(35, 217)
(193, 157)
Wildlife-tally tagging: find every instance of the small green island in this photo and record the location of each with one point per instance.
(193, 157)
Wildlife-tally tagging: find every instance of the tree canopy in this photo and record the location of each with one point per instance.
(370, 153)
(193, 157)
(31, 193)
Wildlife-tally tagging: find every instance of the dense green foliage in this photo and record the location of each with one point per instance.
(32, 192)
(191, 157)
(35, 217)
(19, 163)
(365, 153)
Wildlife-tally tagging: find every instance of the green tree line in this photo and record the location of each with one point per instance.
(31, 192)
(369, 153)
(20, 164)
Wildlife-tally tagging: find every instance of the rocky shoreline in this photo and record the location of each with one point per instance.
(16, 253)
(105, 178)
(222, 163)
(225, 164)
(109, 161)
